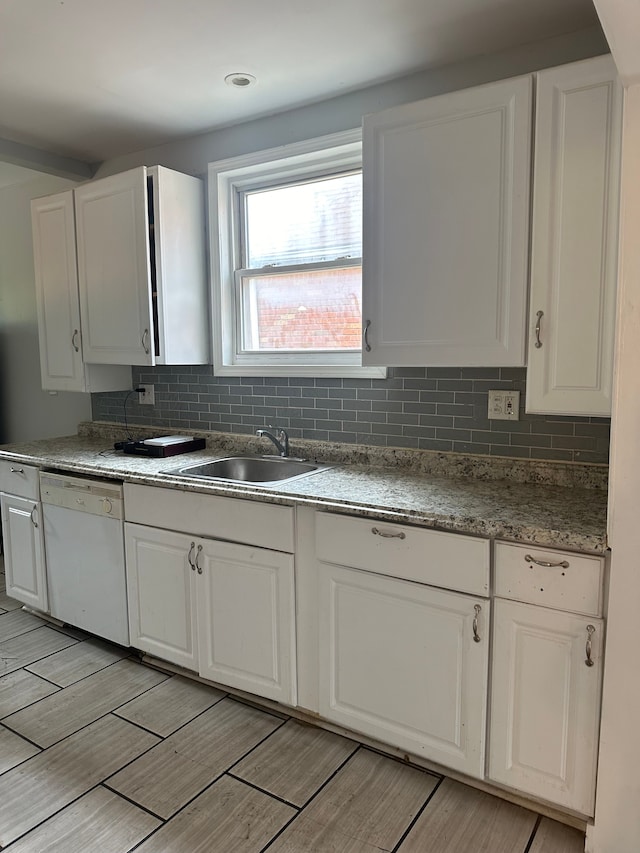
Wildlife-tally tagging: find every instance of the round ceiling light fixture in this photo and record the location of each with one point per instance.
(240, 80)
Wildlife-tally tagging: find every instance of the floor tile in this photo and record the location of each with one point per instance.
(228, 816)
(9, 603)
(179, 768)
(295, 761)
(554, 837)
(100, 820)
(14, 749)
(460, 819)
(17, 622)
(367, 806)
(28, 648)
(67, 711)
(48, 782)
(19, 689)
(79, 661)
(165, 708)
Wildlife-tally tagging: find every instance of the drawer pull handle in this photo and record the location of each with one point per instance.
(563, 564)
(538, 343)
(476, 636)
(191, 563)
(590, 632)
(386, 535)
(198, 566)
(145, 341)
(17, 470)
(31, 516)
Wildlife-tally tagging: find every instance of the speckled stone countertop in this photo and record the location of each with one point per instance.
(468, 499)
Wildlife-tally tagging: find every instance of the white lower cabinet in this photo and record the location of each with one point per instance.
(405, 664)
(393, 654)
(222, 609)
(24, 561)
(161, 590)
(545, 703)
(246, 623)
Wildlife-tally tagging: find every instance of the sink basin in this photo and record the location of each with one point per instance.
(251, 469)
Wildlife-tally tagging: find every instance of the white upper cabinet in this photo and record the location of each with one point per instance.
(574, 239)
(56, 276)
(141, 266)
(446, 217)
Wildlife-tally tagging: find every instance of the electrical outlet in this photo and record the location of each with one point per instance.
(504, 405)
(147, 397)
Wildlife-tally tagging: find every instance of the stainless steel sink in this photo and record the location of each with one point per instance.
(263, 470)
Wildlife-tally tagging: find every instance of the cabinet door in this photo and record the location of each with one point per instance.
(114, 269)
(545, 703)
(574, 239)
(246, 619)
(161, 589)
(398, 662)
(24, 551)
(54, 251)
(446, 205)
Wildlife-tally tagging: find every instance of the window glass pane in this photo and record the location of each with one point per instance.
(305, 223)
(314, 310)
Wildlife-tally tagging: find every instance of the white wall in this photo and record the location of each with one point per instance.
(26, 411)
(345, 112)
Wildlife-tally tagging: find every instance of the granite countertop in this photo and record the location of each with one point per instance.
(544, 514)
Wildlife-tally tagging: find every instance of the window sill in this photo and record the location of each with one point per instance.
(317, 371)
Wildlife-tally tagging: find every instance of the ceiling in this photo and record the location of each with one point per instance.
(93, 79)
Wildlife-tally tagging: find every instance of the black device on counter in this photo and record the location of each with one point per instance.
(166, 445)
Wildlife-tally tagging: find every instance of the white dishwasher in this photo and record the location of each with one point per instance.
(84, 546)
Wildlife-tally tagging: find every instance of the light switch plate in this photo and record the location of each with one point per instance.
(504, 405)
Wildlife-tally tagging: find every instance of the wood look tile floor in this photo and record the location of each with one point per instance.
(101, 754)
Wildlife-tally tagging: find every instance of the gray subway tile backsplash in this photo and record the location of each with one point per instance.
(434, 408)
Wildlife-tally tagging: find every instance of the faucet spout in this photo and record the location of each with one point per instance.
(281, 441)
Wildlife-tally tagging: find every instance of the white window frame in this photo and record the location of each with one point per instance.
(228, 178)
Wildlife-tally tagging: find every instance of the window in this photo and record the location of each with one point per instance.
(286, 249)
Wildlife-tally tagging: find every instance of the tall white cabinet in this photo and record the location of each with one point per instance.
(446, 224)
(574, 239)
(141, 267)
(62, 363)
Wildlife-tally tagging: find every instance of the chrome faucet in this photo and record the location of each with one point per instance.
(281, 441)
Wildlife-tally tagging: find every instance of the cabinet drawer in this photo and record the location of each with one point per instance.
(413, 553)
(211, 516)
(19, 479)
(574, 581)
